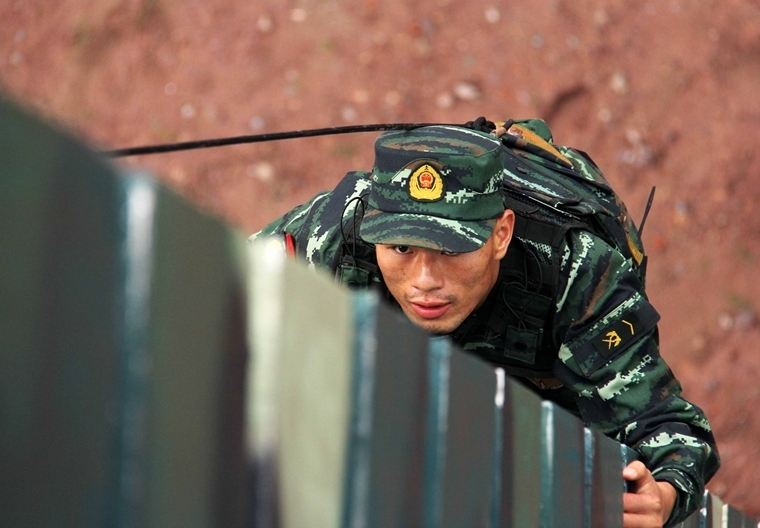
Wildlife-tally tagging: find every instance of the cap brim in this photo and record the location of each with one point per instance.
(431, 232)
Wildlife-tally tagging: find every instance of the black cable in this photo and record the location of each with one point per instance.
(258, 138)
(354, 235)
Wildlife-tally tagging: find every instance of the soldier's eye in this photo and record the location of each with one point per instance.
(402, 250)
(449, 253)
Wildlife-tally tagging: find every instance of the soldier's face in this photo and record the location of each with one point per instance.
(437, 291)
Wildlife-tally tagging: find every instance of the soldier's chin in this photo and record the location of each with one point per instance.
(437, 328)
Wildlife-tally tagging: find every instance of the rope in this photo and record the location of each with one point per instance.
(258, 138)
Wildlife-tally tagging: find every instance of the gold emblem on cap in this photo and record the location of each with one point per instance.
(426, 184)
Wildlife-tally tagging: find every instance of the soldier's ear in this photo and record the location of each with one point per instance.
(502, 233)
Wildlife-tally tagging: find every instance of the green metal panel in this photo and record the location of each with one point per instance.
(500, 503)
(521, 457)
(302, 370)
(384, 486)
(61, 278)
(693, 521)
(733, 518)
(628, 455)
(459, 461)
(194, 364)
(562, 469)
(712, 511)
(604, 481)
(121, 344)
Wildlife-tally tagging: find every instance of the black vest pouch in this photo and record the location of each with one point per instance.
(523, 315)
(357, 267)
(353, 276)
(522, 344)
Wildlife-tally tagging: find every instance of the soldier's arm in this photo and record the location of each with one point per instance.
(610, 357)
(315, 228)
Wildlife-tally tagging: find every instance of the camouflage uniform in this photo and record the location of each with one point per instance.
(607, 367)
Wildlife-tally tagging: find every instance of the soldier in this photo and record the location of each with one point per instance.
(468, 234)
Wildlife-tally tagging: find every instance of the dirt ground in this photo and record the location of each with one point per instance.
(661, 93)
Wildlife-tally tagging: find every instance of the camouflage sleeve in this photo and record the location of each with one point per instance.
(316, 225)
(609, 355)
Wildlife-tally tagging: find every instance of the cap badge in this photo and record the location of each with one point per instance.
(426, 184)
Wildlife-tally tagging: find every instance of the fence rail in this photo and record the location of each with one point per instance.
(156, 371)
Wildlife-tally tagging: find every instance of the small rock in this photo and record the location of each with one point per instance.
(348, 114)
(256, 123)
(444, 100)
(262, 171)
(493, 16)
(523, 97)
(466, 91)
(298, 15)
(187, 111)
(264, 23)
(627, 157)
(725, 321)
(633, 136)
(601, 17)
(745, 320)
(681, 213)
(604, 115)
(619, 83)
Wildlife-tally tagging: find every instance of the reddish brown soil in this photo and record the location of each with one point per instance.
(660, 93)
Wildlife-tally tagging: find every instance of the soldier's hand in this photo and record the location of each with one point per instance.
(650, 503)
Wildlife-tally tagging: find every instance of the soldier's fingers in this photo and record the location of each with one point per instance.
(635, 471)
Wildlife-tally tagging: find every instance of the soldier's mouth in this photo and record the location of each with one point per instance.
(430, 310)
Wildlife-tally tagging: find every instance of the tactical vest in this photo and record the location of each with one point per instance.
(552, 190)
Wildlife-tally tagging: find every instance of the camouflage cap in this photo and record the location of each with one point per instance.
(436, 187)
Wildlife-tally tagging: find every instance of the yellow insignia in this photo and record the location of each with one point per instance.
(613, 339)
(426, 184)
(617, 337)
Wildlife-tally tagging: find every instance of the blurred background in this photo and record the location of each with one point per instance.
(663, 93)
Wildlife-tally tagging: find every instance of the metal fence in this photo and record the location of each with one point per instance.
(156, 372)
